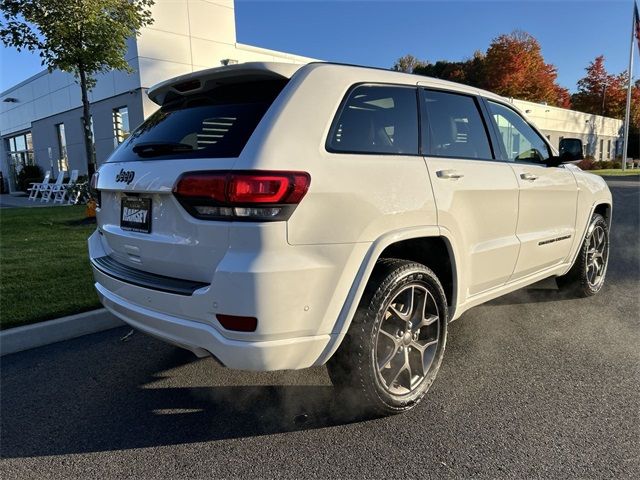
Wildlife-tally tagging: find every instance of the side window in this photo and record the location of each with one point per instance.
(521, 142)
(377, 119)
(454, 126)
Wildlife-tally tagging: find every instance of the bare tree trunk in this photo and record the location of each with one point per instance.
(86, 123)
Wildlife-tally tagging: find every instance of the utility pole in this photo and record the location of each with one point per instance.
(627, 114)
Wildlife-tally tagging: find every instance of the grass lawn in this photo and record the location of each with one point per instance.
(615, 172)
(44, 264)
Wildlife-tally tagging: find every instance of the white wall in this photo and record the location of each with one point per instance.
(186, 36)
(50, 93)
(547, 117)
(600, 135)
(192, 35)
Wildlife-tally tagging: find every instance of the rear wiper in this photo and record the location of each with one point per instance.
(152, 149)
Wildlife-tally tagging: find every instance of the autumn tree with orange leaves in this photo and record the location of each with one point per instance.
(600, 92)
(512, 66)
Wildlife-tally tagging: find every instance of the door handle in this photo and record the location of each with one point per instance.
(528, 176)
(454, 174)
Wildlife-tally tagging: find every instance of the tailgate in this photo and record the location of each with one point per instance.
(177, 245)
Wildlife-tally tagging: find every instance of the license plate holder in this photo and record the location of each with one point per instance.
(135, 214)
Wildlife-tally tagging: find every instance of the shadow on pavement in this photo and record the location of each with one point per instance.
(112, 404)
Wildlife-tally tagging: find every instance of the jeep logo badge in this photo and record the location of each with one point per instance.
(125, 176)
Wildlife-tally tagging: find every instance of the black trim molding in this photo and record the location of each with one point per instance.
(553, 240)
(124, 273)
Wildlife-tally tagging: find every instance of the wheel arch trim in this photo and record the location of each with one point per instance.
(585, 230)
(363, 275)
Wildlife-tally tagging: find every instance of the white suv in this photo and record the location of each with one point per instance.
(280, 216)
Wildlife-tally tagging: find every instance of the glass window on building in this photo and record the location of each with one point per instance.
(608, 149)
(120, 125)
(63, 158)
(19, 154)
(601, 152)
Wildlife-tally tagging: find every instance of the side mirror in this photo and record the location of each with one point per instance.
(562, 158)
(570, 150)
(555, 161)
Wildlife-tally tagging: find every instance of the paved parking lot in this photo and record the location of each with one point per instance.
(532, 385)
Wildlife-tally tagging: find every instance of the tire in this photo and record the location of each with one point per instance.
(588, 272)
(380, 345)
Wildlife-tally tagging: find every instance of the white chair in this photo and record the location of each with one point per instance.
(49, 188)
(61, 192)
(35, 187)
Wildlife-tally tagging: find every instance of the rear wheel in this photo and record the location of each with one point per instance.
(396, 341)
(587, 275)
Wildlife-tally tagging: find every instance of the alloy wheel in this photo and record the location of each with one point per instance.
(407, 340)
(597, 256)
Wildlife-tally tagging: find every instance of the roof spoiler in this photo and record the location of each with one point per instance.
(202, 80)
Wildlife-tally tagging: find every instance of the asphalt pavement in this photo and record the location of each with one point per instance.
(533, 385)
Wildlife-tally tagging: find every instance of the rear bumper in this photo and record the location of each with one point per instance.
(296, 293)
(290, 353)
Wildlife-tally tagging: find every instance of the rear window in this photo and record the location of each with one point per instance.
(213, 124)
(377, 119)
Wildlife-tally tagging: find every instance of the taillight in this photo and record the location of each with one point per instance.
(93, 188)
(241, 195)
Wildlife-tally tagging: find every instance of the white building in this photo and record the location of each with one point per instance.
(41, 117)
(601, 136)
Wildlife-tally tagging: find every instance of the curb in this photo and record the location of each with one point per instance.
(18, 339)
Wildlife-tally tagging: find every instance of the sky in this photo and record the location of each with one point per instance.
(376, 33)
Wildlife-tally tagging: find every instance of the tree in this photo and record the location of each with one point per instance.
(633, 150)
(563, 97)
(600, 92)
(453, 71)
(635, 105)
(82, 37)
(466, 71)
(515, 67)
(407, 64)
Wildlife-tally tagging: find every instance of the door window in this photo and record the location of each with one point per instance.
(377, 119)
(454, 127)
(521, 142)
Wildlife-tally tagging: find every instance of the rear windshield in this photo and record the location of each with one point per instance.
(214, 124)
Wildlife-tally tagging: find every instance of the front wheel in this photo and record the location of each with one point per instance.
(587, 275)
(396, 342)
